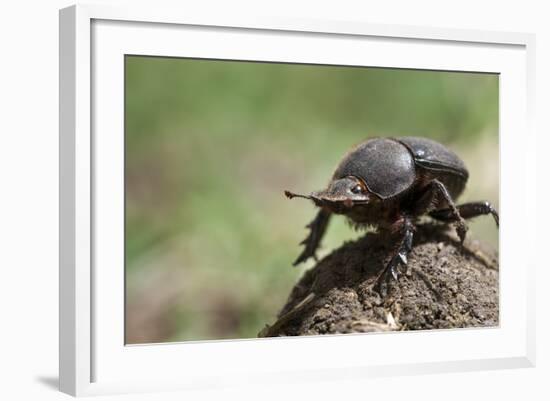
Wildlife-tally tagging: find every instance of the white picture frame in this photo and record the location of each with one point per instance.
(93, 357)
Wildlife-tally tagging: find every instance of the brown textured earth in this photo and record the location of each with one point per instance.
(445, 286)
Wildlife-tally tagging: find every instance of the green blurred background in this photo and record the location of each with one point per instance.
(210, 147)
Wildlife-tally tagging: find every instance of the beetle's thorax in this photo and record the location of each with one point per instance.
(385, 166)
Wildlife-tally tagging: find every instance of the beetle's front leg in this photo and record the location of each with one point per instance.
(400, 256)
(317, 228)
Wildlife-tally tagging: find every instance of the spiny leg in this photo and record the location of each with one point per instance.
(400, 256)
(317, 228)
(467, 211)
(436, 193)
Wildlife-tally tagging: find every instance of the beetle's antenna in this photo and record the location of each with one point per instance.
(291, 195)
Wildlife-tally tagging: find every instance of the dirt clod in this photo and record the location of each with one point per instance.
(445, 286)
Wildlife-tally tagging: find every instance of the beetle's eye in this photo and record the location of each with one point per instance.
(357, 189)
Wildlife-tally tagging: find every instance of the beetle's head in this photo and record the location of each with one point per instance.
(340, 196)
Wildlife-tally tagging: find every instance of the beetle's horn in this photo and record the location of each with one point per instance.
(291, 195)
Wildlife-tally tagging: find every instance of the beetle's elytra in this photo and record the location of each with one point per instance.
(390, 183)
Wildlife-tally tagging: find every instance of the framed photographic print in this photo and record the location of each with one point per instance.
(181, 136)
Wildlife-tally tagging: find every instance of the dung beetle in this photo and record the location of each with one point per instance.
(389, 183)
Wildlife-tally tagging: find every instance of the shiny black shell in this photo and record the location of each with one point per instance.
(391, 166)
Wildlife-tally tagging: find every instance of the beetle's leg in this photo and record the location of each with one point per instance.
(437, 192)
(317, 228)
(400, 256)
(467, 211)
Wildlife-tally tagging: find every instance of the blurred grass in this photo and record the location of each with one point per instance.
(211, 145)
